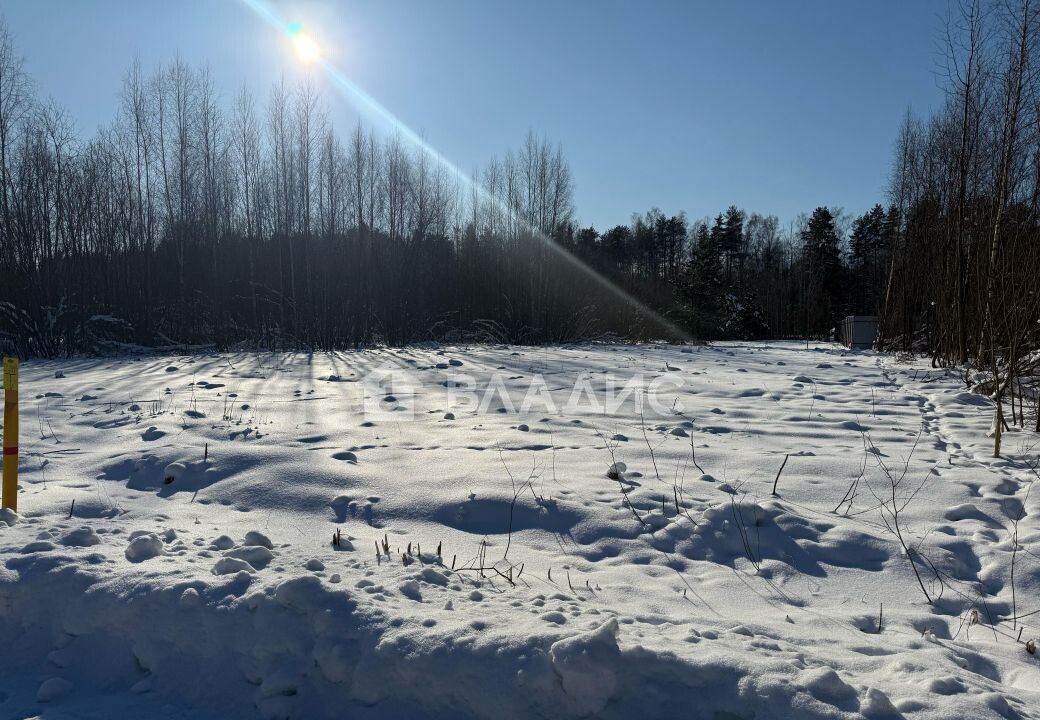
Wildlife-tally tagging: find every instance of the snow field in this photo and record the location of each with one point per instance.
(174, 546)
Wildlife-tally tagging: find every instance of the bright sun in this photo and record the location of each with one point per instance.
(306, 49)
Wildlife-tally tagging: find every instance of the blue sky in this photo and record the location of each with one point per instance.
(776, 106)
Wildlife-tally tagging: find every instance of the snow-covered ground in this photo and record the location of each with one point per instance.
(173, 555)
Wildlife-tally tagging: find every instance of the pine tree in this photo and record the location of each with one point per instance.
(701, 287)
(617, 242)
(866, 245)
(821, 255)
(731, 242)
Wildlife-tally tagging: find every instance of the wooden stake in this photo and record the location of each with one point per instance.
(10, 472)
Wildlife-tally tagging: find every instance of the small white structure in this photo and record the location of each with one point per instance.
(858, 331)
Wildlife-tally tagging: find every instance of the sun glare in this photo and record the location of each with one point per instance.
(306, 49)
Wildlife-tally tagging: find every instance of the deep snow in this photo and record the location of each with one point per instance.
(197, 576)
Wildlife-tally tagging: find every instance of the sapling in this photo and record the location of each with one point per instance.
(891, 508)
(738, 517)
(1014, 516)
(850, 493)
(614, 473)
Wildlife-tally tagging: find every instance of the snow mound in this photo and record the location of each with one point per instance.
(257, 538)
(231, 566)
(81, 537)
(587, 665)
(52, 689)
(144, 547)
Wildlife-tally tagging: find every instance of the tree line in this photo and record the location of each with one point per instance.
(188, 222)
(193, 219)
(964, 275)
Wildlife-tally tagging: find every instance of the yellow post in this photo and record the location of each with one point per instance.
(10, 486)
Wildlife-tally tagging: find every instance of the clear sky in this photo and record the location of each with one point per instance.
(776, 106)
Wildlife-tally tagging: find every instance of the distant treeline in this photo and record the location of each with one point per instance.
(192, 221)
(199, 220)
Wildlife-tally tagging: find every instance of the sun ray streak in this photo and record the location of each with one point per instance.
(364, 102)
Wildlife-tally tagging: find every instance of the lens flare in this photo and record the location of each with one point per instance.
(311, 53)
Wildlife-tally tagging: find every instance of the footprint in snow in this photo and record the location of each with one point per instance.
(853, 425)
(152, 434)
(311, 439)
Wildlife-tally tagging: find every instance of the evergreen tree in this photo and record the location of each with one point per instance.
(701, 288)
(617, 243)
(588, 242)
(745, 319)
(866, 245)
(821, 256)
(731, 242)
